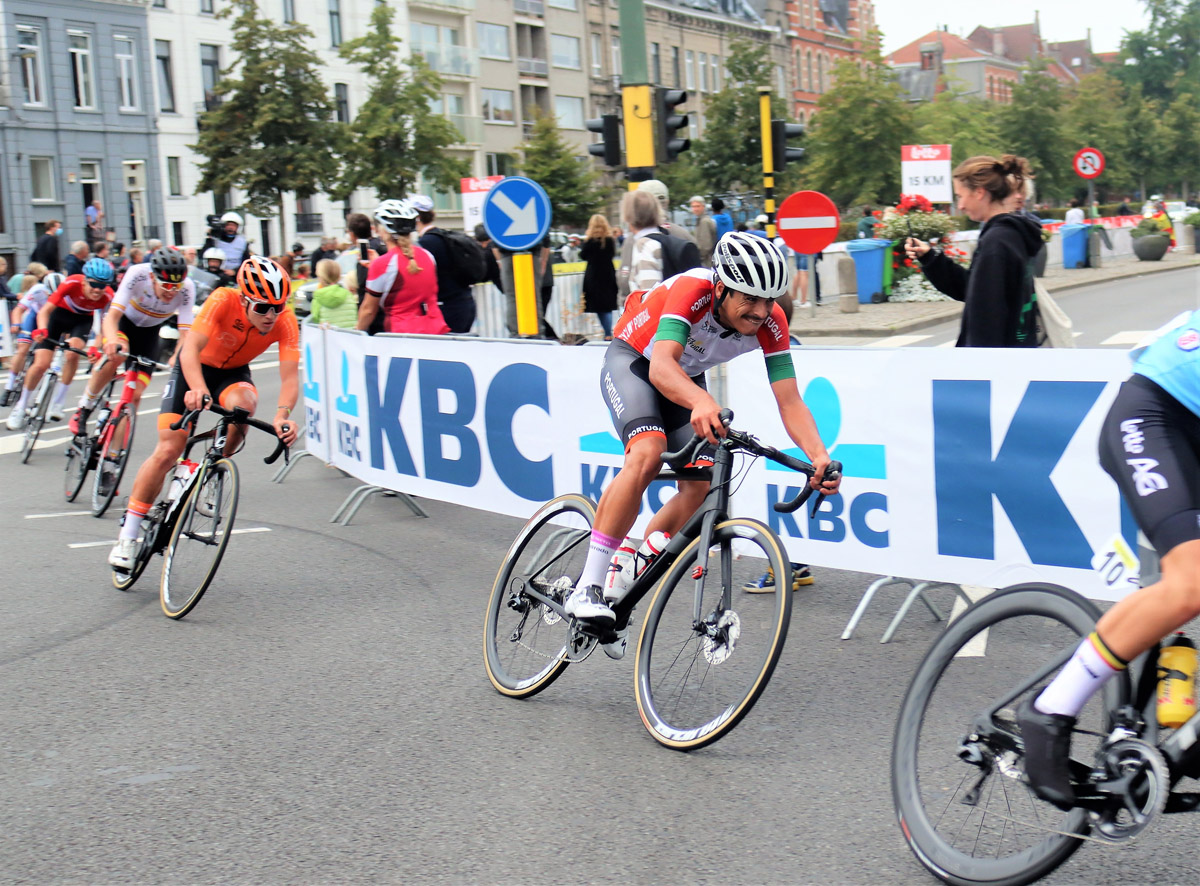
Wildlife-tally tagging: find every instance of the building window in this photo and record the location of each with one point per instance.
(497, 105)
(568, 111)
(210, 73)
(616, 56)
(597, 56)
(126, 73)
(564, 52)
(174, 188)
(160, 4)
(289, 10)
(177, 233)
(166, 82)
(655, 65)
(82, 74)
(714, 67)
(335, 22)
(676, 75)
(812, 86)
(29, 47)
(206, 7)
(702, 63)
(41, 178)
(563, 4)
(689, 69)
(493, 41)
(499, 164)
(341, 102)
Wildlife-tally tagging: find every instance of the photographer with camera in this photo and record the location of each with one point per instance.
(223, 234)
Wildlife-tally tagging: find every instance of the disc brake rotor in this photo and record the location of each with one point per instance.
(718, 649)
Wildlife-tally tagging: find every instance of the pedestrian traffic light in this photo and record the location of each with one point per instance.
(781, 131)
(669, 122)
(609, 146)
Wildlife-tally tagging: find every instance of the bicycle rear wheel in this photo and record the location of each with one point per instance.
(973, 819)
(524, 641)
(199, 538)
(114, 456)
(695, 682)
(79, 453)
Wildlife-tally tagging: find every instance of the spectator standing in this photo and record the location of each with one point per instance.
(490, 256)
(641, 214)
(545, 284)
(570, 252)
(5, 293)
(402, 283)
(73, 263)
(996, 288)
(230, 241)
(600, 277)
(866, 225)
(454, 296)
(95, 221)
(45, 251)
(370, 247)
(660, 193)
(722, 219)
(1074, 214)
(706, 231)
(332, 302)
(1124, 208)
(189, 255)
(327, 249)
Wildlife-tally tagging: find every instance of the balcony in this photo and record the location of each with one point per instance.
(471, 128)
(530, 7)
(533, 67)
(309, 223)
(461, 6)
(444, 58)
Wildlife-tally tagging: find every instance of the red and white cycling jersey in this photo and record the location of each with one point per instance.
(137, 297)
(680, 309)
(75, 296)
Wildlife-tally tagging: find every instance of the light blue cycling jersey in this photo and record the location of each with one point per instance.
(1172, 360)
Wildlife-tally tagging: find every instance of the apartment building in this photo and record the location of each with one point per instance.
(820, 34)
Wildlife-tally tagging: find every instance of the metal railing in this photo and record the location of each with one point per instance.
(564, 313)
(446, 58)
(538, 67)
(530, 7)
(471, 128)
(309, 223)
(452, 5)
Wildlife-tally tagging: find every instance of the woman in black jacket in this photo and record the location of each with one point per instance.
(600, 277)
(996, 289)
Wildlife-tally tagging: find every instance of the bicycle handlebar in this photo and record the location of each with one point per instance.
(748, 443)
(241, 417)
(59, 343)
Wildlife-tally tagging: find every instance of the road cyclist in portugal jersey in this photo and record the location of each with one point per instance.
(232, 328)
(653, 382)
(68, 314)
(149, 294)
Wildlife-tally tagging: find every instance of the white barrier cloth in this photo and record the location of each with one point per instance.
(972, 466)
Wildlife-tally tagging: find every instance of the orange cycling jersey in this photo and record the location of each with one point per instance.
(232, 341)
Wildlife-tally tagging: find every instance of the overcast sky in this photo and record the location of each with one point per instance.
(1061, 20)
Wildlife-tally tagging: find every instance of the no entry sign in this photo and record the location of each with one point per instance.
(1088, 162)
(807, 221)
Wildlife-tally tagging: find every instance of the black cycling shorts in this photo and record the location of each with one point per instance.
(143, 340)
(1150, 445)
(65, 324)
(218, 381)
(636, 406)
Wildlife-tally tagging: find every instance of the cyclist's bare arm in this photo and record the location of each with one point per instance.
(672, 382)
(289, 393)
(367, 311)
(189, 361)
(43, 321)
(108, 328)
(800, 426)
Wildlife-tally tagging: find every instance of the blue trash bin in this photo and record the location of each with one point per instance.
(869, 256)
(1075, 245)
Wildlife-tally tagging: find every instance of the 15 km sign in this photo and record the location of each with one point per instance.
(925, 170)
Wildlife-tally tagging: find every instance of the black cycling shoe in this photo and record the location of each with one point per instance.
(1047, 740)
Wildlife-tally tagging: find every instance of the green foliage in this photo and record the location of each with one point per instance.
(1032, 127)
(1089, 121)
(1181, 140)
(968, 124)
(571, 184)
(1193, 220)
(854, 146)
(1149, 227)
(1141, 119)
(1165, 55)
(271, 133)
(683, 178)
(395, 137)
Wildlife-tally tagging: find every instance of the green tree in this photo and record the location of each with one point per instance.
(395, 136)
(1181, 141)
(860, 126)
(968, 124)
(1142, 120)
(1090, 121)
(1165, 56)
(683, 178)
(270, 134)
(1032, 127)
(572, 184)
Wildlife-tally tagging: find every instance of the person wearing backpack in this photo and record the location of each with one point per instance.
(659, 191)
(639, 211)
(460, 265)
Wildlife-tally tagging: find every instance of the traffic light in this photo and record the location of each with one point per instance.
(670, 146)
(781, 154)
(609, 146)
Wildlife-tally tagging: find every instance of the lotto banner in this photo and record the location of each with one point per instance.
(971, 466)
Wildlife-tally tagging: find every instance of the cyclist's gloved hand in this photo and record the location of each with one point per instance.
(94, 354)
(706, 420)
(39, 334)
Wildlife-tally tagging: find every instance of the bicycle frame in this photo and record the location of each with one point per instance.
(128, 391)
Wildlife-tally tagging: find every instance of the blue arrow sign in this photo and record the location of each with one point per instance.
(516, 213)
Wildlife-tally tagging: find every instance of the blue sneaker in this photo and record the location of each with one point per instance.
(765, 583)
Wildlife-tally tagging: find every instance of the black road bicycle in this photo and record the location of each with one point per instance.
(958, 775)
(707, 649)
(38, 411)
(191, 525)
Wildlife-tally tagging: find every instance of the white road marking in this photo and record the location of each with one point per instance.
(898, 341)
(109, 542)
(976, 647)
(1128, 337)
(948, 344)
(59, 514)
(16, 442)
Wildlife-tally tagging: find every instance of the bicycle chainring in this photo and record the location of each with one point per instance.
(1137, 775)
(579, 646)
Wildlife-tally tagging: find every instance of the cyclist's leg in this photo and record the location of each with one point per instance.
(232, 388)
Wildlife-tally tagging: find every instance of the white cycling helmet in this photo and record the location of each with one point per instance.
(751, 265)
(52, 281)
(213, 252)
(232, 217)
(397, 216)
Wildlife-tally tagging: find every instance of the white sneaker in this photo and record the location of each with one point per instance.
(122, 554)
(56, 412)
(617, 648)
(16, 420)
(587, 604)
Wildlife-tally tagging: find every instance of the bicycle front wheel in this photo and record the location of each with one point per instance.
(199, 538)
(37, 418)
(78, 455)
(958, 780)
(707, 651)
(524, 640)
(114, 456)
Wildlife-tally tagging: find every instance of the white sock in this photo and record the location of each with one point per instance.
(600, 553)
(131, 525)
(87, 400)
(11, 384)
(60, 394)
(1081, 677)
(24, 399)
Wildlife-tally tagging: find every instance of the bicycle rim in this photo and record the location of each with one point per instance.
(1006, 836)
(34, 428)
(76, 468)
(199, 538)
(695, 684)
(114, 456)
(524, 641)
(123, 581)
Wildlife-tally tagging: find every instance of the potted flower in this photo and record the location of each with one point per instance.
(1194, 220)
(912, 216)
(1150, 242)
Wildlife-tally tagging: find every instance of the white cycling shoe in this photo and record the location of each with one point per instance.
(16, 420)
(56, 412)
(587, 604)
(122, 554)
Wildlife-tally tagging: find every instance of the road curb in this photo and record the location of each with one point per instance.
(1141, 272)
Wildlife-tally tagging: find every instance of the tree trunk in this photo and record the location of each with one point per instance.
(1142, 185)
(282, 224)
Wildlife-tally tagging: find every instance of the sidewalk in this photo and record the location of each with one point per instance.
(891, 319)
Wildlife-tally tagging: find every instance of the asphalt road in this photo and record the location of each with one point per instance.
(323, 717)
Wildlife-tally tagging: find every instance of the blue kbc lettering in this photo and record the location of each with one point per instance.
(968, 477)
(828, 524)
(594, 478)
(347, 440)
(514, 386)
(313, 418)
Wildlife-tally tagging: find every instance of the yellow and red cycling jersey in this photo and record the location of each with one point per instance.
(681, 309)
(232, 341)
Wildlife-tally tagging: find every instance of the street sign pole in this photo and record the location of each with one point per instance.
(636, 94)
(516, 214)
(526, 293)
(768, 157)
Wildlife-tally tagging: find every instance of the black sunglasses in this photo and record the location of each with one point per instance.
(261, 307)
